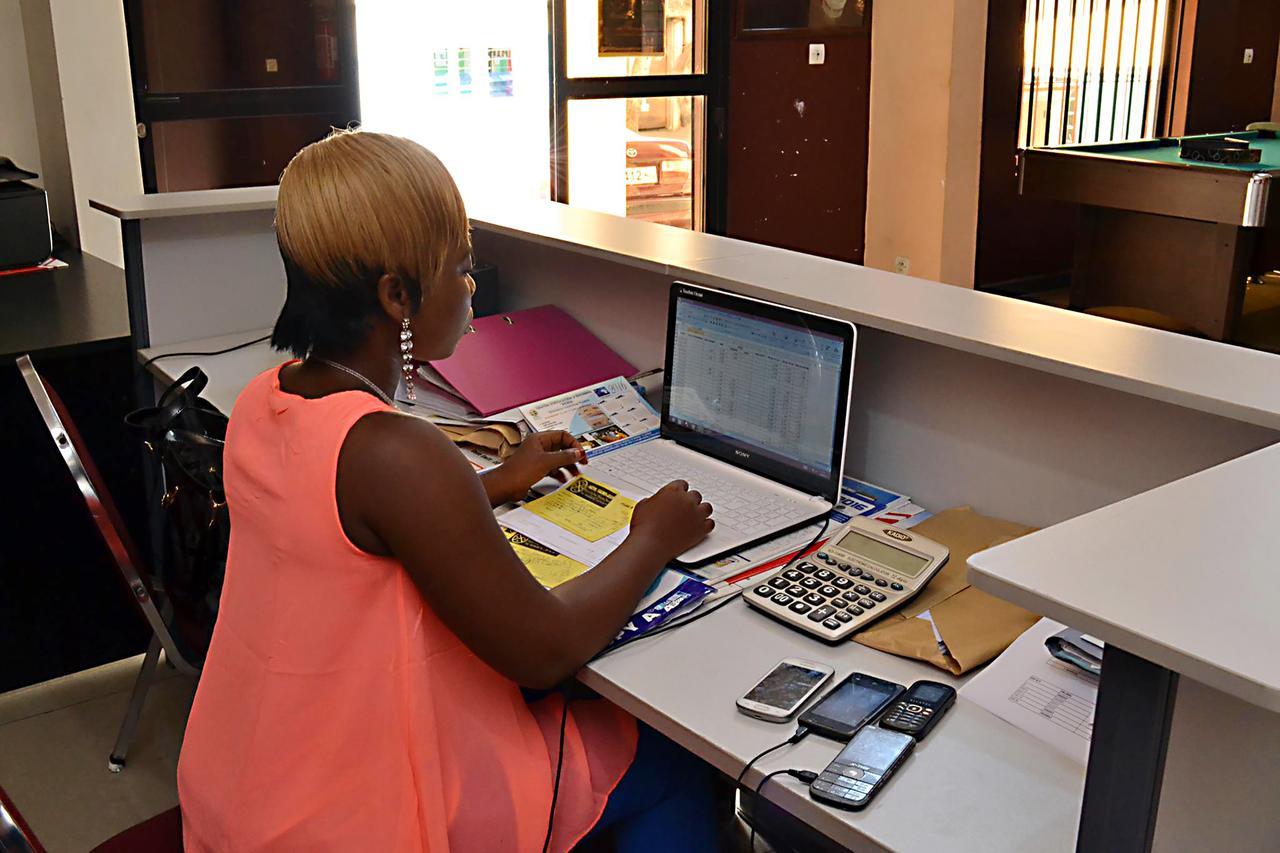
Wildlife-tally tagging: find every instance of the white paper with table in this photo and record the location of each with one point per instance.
(1043, 696)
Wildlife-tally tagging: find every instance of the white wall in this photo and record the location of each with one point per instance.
(18, 138)
(97, 96)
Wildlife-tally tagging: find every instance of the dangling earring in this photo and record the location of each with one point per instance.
(406, 355)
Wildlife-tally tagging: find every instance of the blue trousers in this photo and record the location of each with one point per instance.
(665, 801)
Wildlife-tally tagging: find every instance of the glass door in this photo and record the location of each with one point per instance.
(637, 119)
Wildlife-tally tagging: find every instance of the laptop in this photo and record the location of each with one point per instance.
(755, 408)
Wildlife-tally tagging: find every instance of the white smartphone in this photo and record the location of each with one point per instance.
(778, 696)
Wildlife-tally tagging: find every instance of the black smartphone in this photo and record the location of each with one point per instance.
(850, 705)
(862, 768)
(919, 709)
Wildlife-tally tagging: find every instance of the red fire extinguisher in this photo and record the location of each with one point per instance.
(326, 43)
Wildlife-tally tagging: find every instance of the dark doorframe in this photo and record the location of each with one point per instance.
(339, 103)
(712, 85)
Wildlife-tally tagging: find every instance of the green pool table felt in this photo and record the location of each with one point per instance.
(1168, 153)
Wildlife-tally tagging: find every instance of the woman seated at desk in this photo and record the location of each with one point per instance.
(362, 690)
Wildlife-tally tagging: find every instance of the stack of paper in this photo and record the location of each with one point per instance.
(1028, 688)
(485, 441)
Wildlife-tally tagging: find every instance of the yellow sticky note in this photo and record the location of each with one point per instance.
(548, 566)
(585, 508)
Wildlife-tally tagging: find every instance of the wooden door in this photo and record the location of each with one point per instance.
(797, 138)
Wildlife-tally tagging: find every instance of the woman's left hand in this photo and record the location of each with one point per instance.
(541, 454)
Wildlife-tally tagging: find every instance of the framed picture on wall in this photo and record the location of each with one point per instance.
(759, 17)
(632, 27)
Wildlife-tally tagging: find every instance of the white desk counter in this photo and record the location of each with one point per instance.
(1181, 583)
(1186, 575)
(1204, 375)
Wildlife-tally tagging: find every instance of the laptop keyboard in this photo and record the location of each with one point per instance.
(737, 507)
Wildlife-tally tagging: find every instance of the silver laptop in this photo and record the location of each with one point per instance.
(755, 408)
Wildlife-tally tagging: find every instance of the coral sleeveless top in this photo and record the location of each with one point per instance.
(335, 711)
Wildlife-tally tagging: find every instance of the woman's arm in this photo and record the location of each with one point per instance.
(403, 490)
(541, 454)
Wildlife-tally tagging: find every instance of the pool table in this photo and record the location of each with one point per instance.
(1162, 233)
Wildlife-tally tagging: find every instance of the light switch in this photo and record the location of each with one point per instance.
(1248, 56)
(817, 54)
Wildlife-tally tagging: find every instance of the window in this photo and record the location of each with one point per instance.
(467, 80)
(1092, 70)
(632, 102)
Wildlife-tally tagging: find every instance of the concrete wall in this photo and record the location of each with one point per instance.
(927, 63)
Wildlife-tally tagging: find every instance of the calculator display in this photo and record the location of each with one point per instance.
(886, 555)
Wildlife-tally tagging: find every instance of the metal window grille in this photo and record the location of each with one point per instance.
(1091, 70)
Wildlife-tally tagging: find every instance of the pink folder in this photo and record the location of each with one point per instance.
(518, 358)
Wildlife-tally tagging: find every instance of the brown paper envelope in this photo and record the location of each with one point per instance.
(965, 532)
(483, 438)
(508, 431)
(974, 625)
(908, 638)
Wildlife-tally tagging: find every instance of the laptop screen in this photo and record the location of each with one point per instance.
(759, 385)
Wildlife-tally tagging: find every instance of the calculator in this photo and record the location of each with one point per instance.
(866, 570)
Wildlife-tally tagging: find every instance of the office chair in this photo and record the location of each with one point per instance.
(15, 835)
(145, 592)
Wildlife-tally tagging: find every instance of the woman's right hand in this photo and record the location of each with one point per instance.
(674, 517)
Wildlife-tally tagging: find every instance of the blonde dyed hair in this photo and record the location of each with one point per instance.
(369, 201)
(352, 207)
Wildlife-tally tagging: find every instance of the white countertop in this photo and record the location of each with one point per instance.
(1206, 375)
(1186, 575)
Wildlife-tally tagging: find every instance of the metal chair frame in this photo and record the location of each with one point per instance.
(102, 509)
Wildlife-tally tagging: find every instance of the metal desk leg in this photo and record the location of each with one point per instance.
(1126, 756)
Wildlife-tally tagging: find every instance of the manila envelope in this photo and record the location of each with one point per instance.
(974, 626)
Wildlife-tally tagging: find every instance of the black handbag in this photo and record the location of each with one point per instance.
(185, 434)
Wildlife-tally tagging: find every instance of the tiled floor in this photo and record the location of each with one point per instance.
(54, 742)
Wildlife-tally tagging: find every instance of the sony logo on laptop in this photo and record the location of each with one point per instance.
(686, 291)
(744, 454)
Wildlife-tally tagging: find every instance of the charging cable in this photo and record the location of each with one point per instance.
(800, 734)
(806, 776)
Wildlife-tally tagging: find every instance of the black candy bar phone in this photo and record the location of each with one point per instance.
(850, 705)
(919, 709)
(862, 768)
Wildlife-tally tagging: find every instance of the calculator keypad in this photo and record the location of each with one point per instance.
(829, 597)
